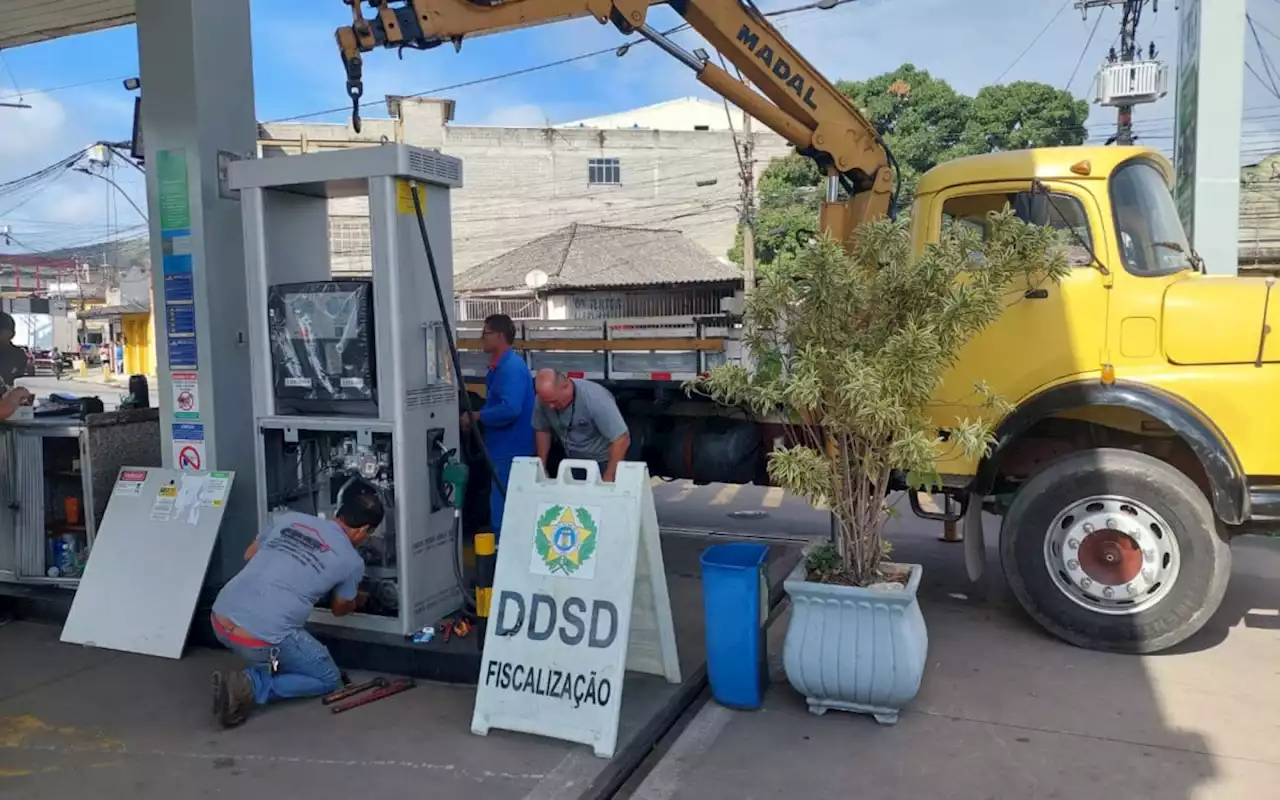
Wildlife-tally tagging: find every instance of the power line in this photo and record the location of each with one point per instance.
(39, 175)
(617, 49)
(1265, 84)
(1266, 63)
(1037, 38)
(64, 87)
(1083, 53)
(1264, 28)
(4, 61)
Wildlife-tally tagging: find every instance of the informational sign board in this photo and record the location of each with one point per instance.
(597, 305)
(1207, 128)
(579, 597)
(180, 329)
(148, 561)
(188, 446)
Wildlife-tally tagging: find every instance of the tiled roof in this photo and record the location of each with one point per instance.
(589, 256)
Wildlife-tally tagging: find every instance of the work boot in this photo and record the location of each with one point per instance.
(219, 695)
(238, 689)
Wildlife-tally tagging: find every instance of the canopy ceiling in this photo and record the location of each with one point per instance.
(27, 21)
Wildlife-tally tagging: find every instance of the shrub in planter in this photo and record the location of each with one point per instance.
(850, 349)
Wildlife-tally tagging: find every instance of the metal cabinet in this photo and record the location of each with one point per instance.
(55, 481)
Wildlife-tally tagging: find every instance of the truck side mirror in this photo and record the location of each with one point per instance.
(1032, 207)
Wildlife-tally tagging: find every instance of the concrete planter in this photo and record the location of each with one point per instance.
(855, 649)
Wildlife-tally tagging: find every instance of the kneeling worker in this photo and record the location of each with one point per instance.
(584, 417)
(261, 613)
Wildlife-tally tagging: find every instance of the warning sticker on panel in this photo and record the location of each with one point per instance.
(129, 484)
(214, 492)
(186, 395)
(404, 199)
(162, 510)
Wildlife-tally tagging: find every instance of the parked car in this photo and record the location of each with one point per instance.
(40, 360)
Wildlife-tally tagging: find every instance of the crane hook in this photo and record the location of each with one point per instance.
(355, 90)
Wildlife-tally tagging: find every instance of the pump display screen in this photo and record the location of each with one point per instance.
(322, 345)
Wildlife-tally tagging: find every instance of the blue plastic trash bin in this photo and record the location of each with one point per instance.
(734, 595)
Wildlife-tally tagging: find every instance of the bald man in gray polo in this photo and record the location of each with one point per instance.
(585, 418)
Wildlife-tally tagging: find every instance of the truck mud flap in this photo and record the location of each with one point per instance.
(975, 550)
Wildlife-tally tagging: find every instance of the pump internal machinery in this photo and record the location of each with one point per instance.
(351, 370)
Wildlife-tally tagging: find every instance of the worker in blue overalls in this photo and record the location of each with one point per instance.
(507, 417)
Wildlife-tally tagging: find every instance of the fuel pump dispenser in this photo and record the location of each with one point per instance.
(352, 373)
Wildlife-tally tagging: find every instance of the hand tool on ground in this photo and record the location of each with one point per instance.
(462, 627)
(394, 687)
(352, 691)
(458, 626)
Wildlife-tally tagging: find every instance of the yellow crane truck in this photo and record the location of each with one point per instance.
(1141, 439)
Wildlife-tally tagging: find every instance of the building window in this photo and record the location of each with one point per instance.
(604, 172)
(348, 236)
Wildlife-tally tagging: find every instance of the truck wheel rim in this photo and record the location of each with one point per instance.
(1112, 555)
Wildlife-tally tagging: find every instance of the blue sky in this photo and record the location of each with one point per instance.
(970, 43)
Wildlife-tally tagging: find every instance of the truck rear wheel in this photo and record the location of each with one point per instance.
(1115, 550)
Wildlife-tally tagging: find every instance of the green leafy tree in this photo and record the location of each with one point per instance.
(850, 348)
(924, 122)
(922, 119)
(1016, 116)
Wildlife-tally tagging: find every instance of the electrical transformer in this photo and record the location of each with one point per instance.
(351, 370)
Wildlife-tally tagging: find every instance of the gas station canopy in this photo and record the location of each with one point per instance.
(27, 21)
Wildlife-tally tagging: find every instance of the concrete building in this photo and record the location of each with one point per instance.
(523, 183)
(1260, 215)
(681, 114)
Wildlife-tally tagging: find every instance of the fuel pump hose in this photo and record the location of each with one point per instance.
(468, 598)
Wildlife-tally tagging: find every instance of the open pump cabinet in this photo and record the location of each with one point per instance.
(351, 373)
(855, 649)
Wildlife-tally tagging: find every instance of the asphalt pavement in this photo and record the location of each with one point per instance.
(1007, 712)
(737, 509)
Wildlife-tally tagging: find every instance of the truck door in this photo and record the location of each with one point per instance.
(1047, 333)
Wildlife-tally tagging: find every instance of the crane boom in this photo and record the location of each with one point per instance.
(794, 99)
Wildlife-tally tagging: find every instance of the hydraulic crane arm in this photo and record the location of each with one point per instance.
(793, 98)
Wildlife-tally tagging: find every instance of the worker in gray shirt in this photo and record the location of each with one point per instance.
(583, 416)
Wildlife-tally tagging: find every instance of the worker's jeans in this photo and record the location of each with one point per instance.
(305, 668)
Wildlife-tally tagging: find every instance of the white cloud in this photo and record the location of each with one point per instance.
(28, 131)
(523, 114)
(69, 208)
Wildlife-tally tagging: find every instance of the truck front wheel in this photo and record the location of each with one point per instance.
(1115, 550)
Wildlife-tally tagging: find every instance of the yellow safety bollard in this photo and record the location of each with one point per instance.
(486, 562)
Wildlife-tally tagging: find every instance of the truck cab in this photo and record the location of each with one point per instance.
(1137, 445)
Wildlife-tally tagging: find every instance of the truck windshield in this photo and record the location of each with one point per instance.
(1152, 241)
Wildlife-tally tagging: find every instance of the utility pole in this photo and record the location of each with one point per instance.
(748, 207)
(1128, 78)
(1128, 33)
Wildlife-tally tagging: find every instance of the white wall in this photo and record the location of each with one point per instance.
(522, 183)
(684, 114)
